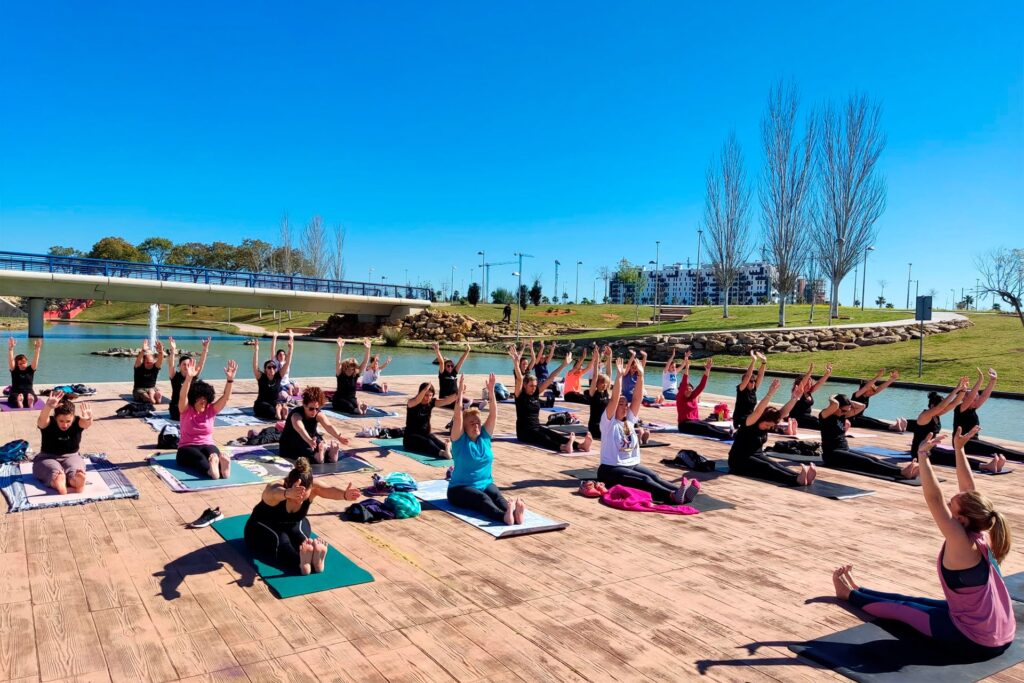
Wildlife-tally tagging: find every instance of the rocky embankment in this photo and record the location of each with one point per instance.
(123, 352)
(440, 325)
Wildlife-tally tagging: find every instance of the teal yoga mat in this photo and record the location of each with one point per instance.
(191, 481)
(435, 493)
(339, 571)
(395, 446)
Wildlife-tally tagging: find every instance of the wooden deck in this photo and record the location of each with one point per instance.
(120, 591)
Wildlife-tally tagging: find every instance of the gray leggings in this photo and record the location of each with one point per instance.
(45, 466)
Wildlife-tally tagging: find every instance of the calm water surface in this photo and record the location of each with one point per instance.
(66, 358)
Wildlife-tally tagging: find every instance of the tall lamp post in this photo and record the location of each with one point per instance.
(909, 267)
(483, 274)
(578, 264)
(557, 263)
(451, 292)
(519, 288)
(696, 299)
(657, 277)
(864, 281)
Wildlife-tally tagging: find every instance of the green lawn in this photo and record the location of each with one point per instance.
(994, 341)
(209, 317)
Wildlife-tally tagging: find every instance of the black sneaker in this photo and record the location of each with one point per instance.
(209, 516)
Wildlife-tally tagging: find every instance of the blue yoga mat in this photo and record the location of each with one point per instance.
(395, 446)
(884, 452)
(192, 480)
(436, 493)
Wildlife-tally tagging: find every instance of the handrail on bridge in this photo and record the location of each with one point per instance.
(78, 265)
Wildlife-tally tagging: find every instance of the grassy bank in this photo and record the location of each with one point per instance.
(207, 317)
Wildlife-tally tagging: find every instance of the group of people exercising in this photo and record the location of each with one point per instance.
(976, 618)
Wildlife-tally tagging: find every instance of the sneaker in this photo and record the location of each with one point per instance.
(209, 516)
(588, 490)
(600, 488)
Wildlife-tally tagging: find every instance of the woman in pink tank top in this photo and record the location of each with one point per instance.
(976, 619)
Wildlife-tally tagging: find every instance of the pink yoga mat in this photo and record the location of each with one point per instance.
(4, 408)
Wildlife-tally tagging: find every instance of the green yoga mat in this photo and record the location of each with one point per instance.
(395, 446)
(339, 571)
(191, 480)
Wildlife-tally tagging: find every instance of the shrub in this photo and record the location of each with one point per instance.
(393, 336)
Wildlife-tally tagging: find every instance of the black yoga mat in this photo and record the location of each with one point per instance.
(825, 489)
(796, 457)
(655, 444)
(882, 651)
(583, 473)
(579, 429)
(702, 502)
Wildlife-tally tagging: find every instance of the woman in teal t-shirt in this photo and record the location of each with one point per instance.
(471, 486)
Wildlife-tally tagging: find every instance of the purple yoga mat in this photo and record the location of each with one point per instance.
(4, 408)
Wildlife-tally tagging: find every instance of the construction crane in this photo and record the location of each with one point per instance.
(487, 274)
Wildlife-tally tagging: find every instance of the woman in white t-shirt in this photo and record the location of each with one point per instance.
(620, 447)
(670, 378)
(371, 376)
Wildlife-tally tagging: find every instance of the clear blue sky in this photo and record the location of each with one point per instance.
(573, 130)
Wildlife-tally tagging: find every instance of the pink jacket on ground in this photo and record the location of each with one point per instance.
(625, 498)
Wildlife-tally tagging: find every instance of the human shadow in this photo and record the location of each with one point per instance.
(206, 560)
(532, 483)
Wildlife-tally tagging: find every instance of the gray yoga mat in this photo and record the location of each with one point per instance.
(702, 502)
(1015, 584)
(435, 493)
(825, 489)
(883, 651)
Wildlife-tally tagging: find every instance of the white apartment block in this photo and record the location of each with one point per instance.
(676, 284)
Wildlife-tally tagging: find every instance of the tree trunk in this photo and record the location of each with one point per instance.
(782, 311)
(1020, 313)
(834, 300)
(725, 304)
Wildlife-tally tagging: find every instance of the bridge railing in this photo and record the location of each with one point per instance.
(77, 265)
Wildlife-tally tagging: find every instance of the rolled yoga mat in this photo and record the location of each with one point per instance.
(436, 494)
(339, 571)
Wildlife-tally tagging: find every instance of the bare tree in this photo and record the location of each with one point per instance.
(285, 262)
(851, 194)
(338, 253)
(1002, 275)
(882, 284)
(785, 190)
(314, 242)
(727, 217)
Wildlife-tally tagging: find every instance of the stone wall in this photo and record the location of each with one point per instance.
(442, 325)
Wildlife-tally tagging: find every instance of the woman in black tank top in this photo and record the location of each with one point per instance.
(176, 369)
(347, 373)
(301, 436)
(147, 369)
(527, 398)
(418, 436)
(965, 416)
(599, 397)
(746, 455)
(746, 390)
(802, 409)
(868, 389)
(23, 393)
(278, 532)
(928, 423)
(836, 451)
(268, 404)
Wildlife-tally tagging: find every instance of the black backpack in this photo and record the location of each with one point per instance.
(367, 511)
(168, 437)
(692, 460)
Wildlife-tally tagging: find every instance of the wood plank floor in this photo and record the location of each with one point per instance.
(121, 591)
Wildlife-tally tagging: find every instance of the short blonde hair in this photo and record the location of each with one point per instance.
(471, 412)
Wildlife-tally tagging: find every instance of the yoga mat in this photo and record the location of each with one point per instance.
(881, 651)
(583, 474)
(796, 457)
(181, 479)
(389, 392)
(825, 489)
(371, 412)
(4, 408)
(579, 429)
(395, 446)
(339, 571)
(885, 452)
(574, 454)
(1015, 584)
(131, 399)
(655, 444)
(239, 417)
(104, 481)
(702, 502)
(436, 493)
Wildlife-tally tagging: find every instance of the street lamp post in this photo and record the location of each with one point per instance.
(557, 263)
(519, 288)
(952, 298)
(483, 274)
(451, 292)
(864, 281)
(696, 298)
(657, 277)
(909, 267)
(578, 264)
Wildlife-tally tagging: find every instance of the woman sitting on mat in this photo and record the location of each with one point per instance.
(620, 447)
(147, 370)
(528, 427)
(670, 376)
(868, 389)
(58, 464)
(283, 358)
(747, 457)
(965, 416)
(572, 391)
(746, 390)
(540, 361)
(177, 373)
(198, 408)
(525, 364)
(23, 393)
(636, 368)
(929, 423)
(301, 436)
(976, 619)
(371, 377)
(278, 532)
(600, 394)
(268, 404)
(802, 410)
(688, 404)
(347, 371)
(448, 373)
(471, 485)
(836, 451)
(418, 436)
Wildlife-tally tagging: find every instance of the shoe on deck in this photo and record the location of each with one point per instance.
(209, 516)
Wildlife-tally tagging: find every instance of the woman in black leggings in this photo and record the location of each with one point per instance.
(528, 426)
(278, 533)
(836, 451)
(929, 423)
(301, 436)
(417, 437)
(868, 389)
(347, 373)
(747, 457)
(801, 411)
(688, 405)
(268, 404)
(965, 416)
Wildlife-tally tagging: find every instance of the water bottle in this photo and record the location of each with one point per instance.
(376, 428)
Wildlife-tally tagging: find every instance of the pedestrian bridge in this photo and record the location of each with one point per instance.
(40, 276)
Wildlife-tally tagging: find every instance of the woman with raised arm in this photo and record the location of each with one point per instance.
(284, 359)
(58, 464)
(198, 407)
(574, 378)
(747, 457)
(472, 486)
(23, 393)
(278, 530)
(176, 370)
(540, 361)
(371, 376)
(746, 390)
(670, 376)
(301, 436)
(929, 423)
(268, 404)
(688, 404)
(620, 447)
(868, 389)
(965, 416)
(527, 397)
(448, 374)
(347, 371)
(599, 393)
(836, 451)
(418, 436)
(802, 409)
(147, 370)
(976, 619)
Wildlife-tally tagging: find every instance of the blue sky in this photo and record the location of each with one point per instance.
(577, 131)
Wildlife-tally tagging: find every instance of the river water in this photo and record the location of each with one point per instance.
(66, 358)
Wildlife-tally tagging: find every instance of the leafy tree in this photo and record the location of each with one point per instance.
(880, 301)
(889, 305)
(524, 295)
(965, 303)
(502, 296)
(57, 250)
(455, 296)
(117, 249)
(535, 292)
(254, 255)
(996, 306)
(473, 294)
(156, 248)
(187, 254)
(545, 300)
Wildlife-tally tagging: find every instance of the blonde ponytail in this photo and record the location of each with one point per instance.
(999, 536)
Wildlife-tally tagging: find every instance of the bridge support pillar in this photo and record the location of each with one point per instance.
(35, 317)
(399, 312)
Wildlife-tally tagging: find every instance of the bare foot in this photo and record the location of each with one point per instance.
(59, 483)
(332, 452)
(213, 462)
(567, 447)
(803, 478)
(318, 452)
(448, 449)
(812, 473)
(306, 557)
(225, 466)
(510, 513)
(995, 464)
(76, 484)
(519, 511)
(319, 555)
(588, 441)
(19, 401)
(157, 397)
(644, 435)
(842, 579)
(909, 471)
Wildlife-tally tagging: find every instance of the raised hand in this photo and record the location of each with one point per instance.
(11, 343)
(774, 386)
(171, 343)
(256, 343)
(894, 375)
(879, 373)
(688, 353)
(708, 363)
(466, 347)
(54, 398)
(620, 365)
(145, 345)
(991, 371)
(435, 346)
(366, 343)
(461, 386)
(960, 439)
(568, 358)
(291, 337)
(491, 381)
(341, 342)
(230, 370)
(928, 444)
(828, 368)
(513, 353)
(297, 492)
(38, 344)
(189, 369)
(205, 342)
(388, 361)
(85, 411)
